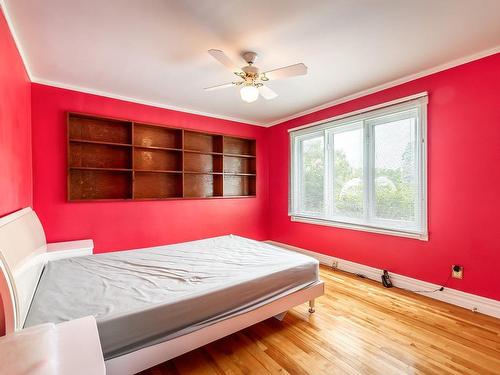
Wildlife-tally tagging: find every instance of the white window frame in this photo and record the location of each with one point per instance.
(333, 125)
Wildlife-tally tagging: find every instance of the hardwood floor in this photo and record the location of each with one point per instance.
(358, 328)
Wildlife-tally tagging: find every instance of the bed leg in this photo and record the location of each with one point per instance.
(311, 306)
(281, 316)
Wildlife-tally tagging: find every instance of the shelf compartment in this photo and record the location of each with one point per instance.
(99, 184)
(239, 146)
(202, 185)
(152, 185)
(153, 159)
(96, 155)
(157, 136)
(99, 129)
(234, 164)
(202, 142)
(235, 185)
(205, 163)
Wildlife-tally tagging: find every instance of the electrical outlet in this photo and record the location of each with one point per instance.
(457, 272)
(335, 264)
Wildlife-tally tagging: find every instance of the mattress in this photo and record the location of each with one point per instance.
(146, 296)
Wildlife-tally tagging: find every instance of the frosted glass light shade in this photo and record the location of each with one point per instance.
(249, 94)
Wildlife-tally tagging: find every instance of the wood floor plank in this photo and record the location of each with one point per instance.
(258, 352)
(230, 354)
(196, 362)
(359, 328)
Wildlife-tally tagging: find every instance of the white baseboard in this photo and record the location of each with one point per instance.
(455, 297)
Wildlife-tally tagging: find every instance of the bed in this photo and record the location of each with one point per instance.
(156, 303)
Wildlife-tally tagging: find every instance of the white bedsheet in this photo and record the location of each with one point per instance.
(142, 297)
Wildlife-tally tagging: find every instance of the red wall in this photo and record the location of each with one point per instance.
(15, 129)
(463, 188)
(126, 225)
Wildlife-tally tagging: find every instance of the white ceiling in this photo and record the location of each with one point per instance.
(155, 50)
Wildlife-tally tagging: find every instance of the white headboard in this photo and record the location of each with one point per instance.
(22, 258)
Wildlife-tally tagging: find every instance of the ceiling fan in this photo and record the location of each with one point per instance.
(251, 80)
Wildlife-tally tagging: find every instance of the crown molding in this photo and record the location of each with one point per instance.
(144, 102)
(396, 82)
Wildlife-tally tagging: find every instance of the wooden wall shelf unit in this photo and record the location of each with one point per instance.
(111, 159)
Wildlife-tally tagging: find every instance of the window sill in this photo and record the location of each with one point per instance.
(364, 228)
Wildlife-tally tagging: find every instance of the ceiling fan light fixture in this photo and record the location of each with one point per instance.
(249, 93)
(251, 79)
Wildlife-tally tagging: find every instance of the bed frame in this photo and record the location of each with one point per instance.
(23, 255)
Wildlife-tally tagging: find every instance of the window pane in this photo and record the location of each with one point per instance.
(312, 174)
(395, 170)
(367, 171)
(348, 173)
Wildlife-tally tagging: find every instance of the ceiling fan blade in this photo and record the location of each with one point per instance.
(285, 72)
(217, 87)
(221, 57)
(267, 93)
